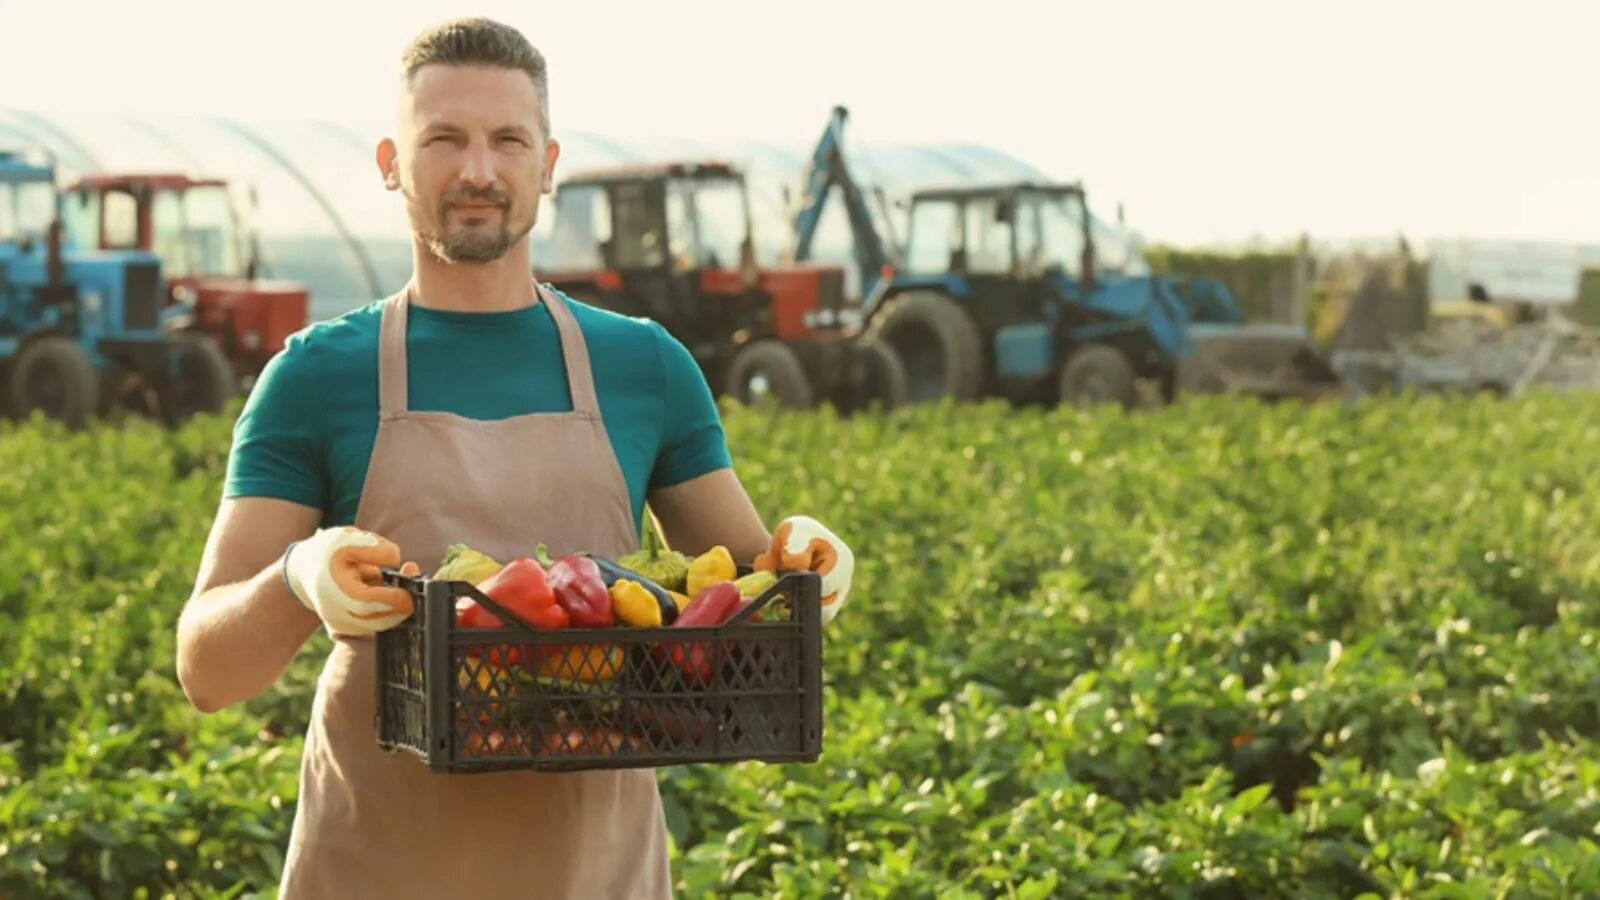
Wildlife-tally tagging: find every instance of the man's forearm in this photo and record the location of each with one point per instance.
(235, 640)
(710, 510)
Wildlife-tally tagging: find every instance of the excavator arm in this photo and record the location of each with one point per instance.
(828, 168)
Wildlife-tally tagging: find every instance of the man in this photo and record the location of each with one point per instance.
(477, 407)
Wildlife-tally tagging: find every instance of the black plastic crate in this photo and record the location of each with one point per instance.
(483, 700)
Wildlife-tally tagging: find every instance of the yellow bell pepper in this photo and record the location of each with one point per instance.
(635, 605)
(491, 681)
(710, 567)
(593, 663)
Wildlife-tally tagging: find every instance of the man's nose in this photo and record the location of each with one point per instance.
(477, 170)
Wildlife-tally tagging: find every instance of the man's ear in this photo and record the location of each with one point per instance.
(552, 152)
(389, 164)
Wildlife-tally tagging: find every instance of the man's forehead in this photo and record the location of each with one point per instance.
(468, 96)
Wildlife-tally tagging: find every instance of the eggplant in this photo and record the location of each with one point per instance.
(611, 572)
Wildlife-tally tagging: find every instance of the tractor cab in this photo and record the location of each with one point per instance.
(1023, 230)
(672, 242)
(212, 267)
(680, 217)
(1011, 231)
(27, 204)
(664, 238)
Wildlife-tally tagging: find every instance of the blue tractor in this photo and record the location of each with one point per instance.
(84, 332)
(1004, 290)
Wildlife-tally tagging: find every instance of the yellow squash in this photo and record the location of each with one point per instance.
(710, 567)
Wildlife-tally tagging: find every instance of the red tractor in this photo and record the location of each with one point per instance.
(672, 242)
(208, 265)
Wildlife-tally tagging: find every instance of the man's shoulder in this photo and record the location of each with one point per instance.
(637, 348)
(351, 336)
(616, 335)
(602, 324)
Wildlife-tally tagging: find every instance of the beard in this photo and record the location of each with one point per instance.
(473, 243)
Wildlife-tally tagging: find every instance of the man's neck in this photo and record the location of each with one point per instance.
(498, 286)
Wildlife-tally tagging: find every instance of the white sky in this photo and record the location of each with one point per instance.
(1209, 121)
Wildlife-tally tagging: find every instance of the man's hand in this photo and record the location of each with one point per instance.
(801, 542)
(335, 574)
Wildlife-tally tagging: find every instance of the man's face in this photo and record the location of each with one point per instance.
(471, 160)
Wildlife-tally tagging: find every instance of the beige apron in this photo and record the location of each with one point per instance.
(372, 824)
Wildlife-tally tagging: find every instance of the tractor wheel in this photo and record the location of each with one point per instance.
(1097, 373)
(53, 375)
(768, 373)
(879, 381)
(938, 343)
(201, 381)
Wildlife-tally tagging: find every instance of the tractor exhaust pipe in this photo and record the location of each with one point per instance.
(55, 269)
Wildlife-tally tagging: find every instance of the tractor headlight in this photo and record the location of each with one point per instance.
(251, 340)
(92, 303)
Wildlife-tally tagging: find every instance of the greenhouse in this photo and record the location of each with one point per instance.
(309, 192)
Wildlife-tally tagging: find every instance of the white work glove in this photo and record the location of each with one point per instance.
(801, 543)
(334, 573)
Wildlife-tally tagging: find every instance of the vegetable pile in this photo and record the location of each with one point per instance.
(1220, 649)
(649, 589)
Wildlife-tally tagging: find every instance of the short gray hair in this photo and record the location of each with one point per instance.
(476, 41)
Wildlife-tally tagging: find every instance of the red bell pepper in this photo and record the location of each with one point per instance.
(715, 604)
(580, 589)
(522, 588)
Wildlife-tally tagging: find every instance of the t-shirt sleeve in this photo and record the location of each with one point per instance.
(276, 448)
(692, 441)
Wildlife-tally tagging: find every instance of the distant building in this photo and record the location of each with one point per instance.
(1538, 273)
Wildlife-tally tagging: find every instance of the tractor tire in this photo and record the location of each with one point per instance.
(1095, 374)
(768, 373)
(881, 382)
(937, 342)
(204, 381)
(53, 375)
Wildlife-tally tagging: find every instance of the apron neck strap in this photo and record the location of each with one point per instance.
(392, 375)
(574, 351)
(392, 354)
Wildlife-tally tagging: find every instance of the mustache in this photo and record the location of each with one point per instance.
(475, 195)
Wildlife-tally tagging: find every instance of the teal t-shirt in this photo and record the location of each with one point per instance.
(309, 424)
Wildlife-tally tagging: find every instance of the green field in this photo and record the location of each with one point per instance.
(1216, 650)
